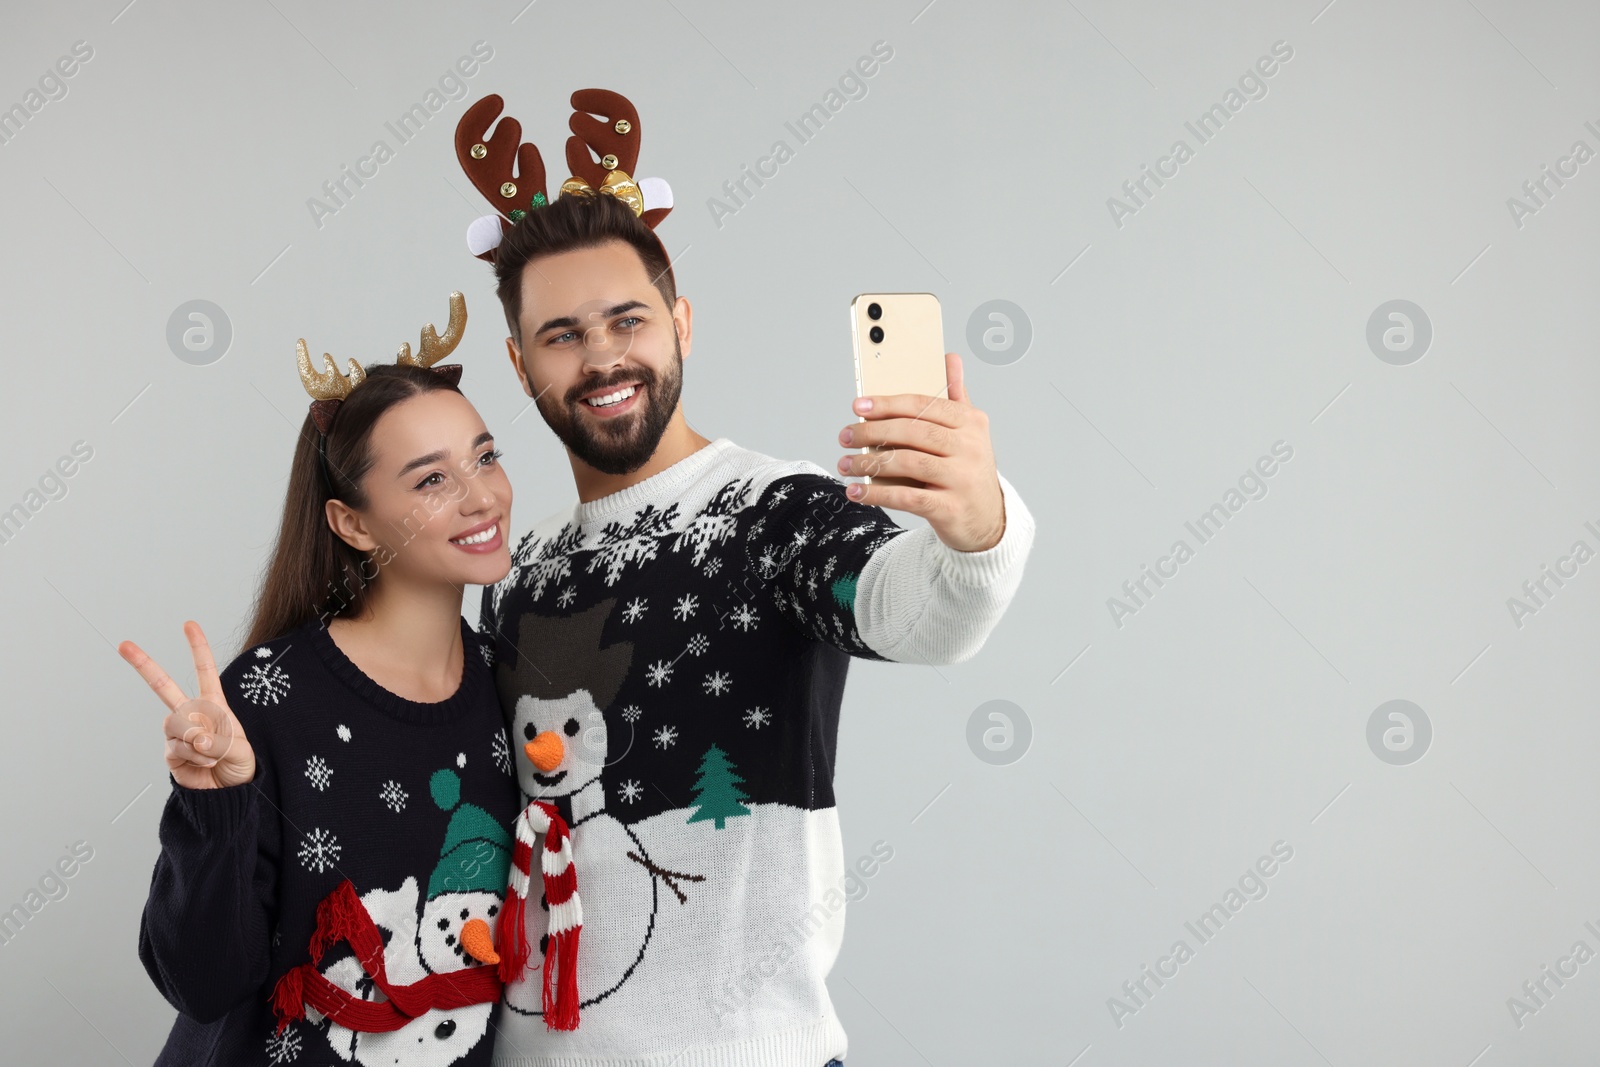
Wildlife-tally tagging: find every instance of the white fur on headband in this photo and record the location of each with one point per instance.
(656, 192)
(484, 233)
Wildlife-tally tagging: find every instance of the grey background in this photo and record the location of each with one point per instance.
(1168, 354)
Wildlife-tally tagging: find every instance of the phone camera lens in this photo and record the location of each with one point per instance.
(874, 312)
(876, 333)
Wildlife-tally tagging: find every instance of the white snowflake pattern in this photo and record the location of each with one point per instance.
(717, 683)
(632, 712)
(265, 683)
(779, 495)
(827, 568)
(757, 717)
(567, 596)
(637, 542)
(745, 618)
(856, 531)
(631, 791)
(698, 644)
(802, 536)
(319, 772)
(461, 759)
(319, 850)
(767, 564)
(486, 650)
(811, 585)
(263, 652)
(659, 673)
(554, 561)
(756, 528)
(666, 736)
(635, 609)
(685, 608)
(393, 795)
(713, 565)
(283, 1045)
(714, 523)
(501, 751)
(343, 731)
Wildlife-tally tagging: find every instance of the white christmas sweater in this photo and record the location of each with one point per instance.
(682, 646)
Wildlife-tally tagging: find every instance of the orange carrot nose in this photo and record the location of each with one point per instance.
(546, 751)
(476, 939)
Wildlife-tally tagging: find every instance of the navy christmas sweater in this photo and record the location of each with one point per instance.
(672, 660)
(378, 816)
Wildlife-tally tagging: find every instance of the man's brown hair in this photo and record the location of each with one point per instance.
(568, 223)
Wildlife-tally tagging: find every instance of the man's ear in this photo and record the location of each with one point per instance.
(348, 526)
(683, 322)
(516, 365)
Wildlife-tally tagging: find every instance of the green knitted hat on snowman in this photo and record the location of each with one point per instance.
(476, 854)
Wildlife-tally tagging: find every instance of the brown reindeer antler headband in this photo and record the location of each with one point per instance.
(328, 387)
(510, 172)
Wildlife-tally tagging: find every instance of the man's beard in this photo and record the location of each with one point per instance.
(621, 445)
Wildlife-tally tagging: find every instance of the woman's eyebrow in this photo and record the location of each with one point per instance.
(437, 456)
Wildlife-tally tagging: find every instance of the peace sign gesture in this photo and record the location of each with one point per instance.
(206, 746)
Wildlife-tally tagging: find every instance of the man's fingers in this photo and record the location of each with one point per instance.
(920, 434)
(935, 409)
(205, 664)
(922, 502)
(898, 463)
(154, 676)
(957, 379)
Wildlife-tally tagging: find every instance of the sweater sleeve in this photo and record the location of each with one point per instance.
(920, 601)
(205, 937)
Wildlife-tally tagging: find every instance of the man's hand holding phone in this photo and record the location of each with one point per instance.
(941, 442)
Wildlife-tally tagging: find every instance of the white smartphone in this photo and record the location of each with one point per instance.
(898, 339)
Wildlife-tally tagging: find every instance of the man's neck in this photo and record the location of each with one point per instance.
(678, 441)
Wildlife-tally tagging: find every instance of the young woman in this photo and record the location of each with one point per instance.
(334, 852)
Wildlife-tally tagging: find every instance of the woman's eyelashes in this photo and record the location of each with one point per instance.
(434, 479)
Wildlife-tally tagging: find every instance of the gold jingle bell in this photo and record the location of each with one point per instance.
(609, 161)
(623, 126)
(508, 190)
(479, 151)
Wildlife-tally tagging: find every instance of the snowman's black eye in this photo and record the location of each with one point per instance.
(571, 728)
(528, 731)
(493, 910)
(444, 1029)
(463, 913)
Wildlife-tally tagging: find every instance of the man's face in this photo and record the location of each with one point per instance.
(601, 353)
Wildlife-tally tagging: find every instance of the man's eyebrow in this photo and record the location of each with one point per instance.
(568, 322)
(434, 457)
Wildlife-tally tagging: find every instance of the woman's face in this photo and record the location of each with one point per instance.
(438, 502)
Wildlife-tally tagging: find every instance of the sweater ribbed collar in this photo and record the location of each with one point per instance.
(475, 684)
(661, 486)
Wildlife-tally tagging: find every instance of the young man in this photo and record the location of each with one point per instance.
(671, 652)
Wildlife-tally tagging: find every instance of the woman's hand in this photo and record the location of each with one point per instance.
(206, 746)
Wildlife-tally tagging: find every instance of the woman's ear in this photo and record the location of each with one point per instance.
(348, 526)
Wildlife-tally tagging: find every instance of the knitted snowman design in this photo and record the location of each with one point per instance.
(400, 1009)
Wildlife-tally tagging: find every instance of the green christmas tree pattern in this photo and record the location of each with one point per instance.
(717, 795)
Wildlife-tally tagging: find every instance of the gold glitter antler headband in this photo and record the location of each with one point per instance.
(328, 387)
(613, 139)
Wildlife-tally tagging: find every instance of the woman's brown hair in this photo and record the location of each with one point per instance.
(313, 572)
